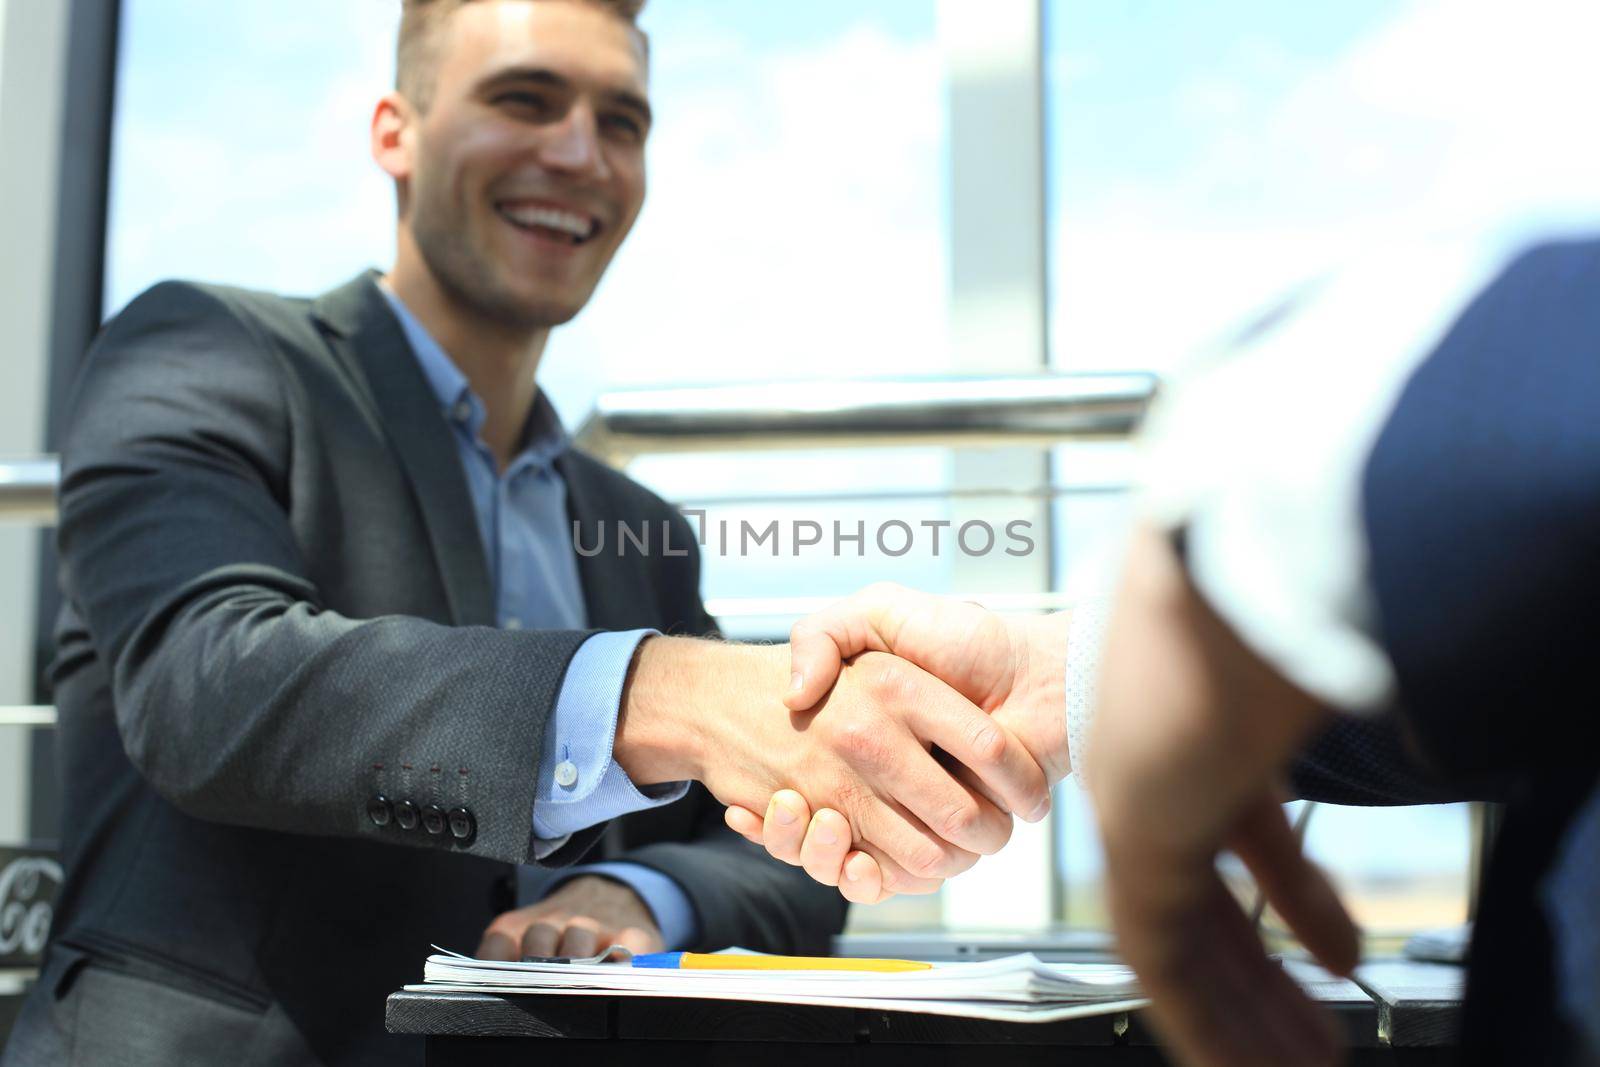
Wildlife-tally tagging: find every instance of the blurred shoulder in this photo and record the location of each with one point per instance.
(180, 299)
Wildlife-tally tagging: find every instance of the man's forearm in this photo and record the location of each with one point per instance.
(680, 694)
(225, 717)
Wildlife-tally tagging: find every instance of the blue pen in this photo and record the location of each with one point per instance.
(706, 961)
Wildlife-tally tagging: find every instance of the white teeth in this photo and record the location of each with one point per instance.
(578, 226)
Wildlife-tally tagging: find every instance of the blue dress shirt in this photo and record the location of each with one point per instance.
(522, 518)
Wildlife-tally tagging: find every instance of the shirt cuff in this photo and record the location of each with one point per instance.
(665, 898)
(578, 783)
(1086, 632)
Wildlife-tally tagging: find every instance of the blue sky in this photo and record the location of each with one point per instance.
(1121, 71)
(1212, 154)
(1208, 157)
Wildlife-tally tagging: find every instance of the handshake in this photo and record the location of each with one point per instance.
(890, 745)
(1192, 734)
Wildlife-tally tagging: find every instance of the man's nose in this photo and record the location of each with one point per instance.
(573, 145)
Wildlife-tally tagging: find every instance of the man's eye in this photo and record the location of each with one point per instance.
(534, 103)
(624, 126)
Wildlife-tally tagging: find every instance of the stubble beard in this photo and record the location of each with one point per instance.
(468, 277)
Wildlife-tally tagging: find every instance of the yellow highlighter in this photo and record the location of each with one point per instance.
(705, 961)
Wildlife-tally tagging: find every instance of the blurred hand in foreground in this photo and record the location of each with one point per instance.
(1191, 739)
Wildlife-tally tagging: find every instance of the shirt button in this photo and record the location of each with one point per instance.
(433, 819)
(566, 774)
(512, 623)
(462, 412)
(379, 810)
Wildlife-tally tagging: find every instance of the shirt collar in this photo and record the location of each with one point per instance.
(543, 436)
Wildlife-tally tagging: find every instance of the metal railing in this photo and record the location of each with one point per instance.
(28, 490)
(1040, 410)
(1021, 410)
(28, 715)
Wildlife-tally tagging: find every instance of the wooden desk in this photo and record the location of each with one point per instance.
(475, 1029)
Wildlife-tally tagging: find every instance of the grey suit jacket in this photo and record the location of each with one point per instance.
(277, 608)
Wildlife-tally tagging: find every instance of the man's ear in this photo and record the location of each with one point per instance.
(393, 136)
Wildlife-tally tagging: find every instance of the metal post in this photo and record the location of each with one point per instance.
(994, 58)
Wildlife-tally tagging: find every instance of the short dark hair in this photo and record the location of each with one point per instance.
(416, 56)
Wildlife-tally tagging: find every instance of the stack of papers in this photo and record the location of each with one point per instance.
(1018, 988)
(1445, 945)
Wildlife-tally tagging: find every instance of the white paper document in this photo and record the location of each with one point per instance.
(1019, 988)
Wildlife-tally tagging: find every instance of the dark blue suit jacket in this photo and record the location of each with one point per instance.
(1481, 507)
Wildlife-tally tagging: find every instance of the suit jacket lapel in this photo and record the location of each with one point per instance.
(373, 346)
(612, 584)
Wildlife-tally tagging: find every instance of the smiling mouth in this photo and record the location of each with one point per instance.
(551, 223)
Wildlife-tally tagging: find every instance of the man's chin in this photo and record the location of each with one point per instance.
(538, 312)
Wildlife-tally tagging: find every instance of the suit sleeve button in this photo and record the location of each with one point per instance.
(405, 814)
(433, 819)
(379, 810)
(462, 825)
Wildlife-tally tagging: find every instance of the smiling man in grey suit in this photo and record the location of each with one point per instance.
(329, 665)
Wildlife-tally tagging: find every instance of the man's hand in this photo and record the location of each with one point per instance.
(1191, 736)
(580, 918)
(819, 843)
(1013, 668)
(714, 712)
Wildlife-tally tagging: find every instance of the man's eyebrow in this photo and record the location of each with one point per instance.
(545, 76)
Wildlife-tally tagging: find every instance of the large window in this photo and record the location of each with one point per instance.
(1202, 160)
(795, 228)
(795, 224)
(803, 223)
